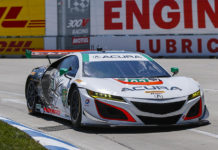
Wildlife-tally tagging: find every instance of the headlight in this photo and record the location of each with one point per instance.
(194, 95)
(105, 96)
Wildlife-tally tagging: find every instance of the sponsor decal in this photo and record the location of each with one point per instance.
(87, 101)
(116, 57)
(33, 73)
(80, 40)
(23, 19)
(64, 96)
(52, 111)
(152, 88)
(140, 81)
(78, 81)
(38, 106)
(155, 92)
(18, 46)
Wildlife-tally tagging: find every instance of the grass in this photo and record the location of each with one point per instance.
(12, 138)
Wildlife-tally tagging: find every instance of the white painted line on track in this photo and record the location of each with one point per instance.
(211, 90)
(18, 101)
(11, 93)
(204, 133)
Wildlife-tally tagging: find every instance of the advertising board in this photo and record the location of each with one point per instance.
(74, 23)
(149, 17)
(17, 46)
(22, 18)
(178, 46)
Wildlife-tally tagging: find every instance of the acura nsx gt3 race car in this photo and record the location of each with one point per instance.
(115, 88)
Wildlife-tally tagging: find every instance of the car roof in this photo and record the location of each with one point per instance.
(107, 52)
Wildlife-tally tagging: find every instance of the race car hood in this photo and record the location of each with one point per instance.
(170, 87)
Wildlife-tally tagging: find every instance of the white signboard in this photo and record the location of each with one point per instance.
(189, 45)
(141, 17)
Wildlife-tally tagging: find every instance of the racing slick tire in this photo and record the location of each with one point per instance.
(31, 97)
(75, 108)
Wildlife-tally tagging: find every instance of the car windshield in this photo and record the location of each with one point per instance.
(123, 69)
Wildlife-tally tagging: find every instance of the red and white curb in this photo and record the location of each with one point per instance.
(47, 141)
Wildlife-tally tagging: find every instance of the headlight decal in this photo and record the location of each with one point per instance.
(194, 95)
(105, 96)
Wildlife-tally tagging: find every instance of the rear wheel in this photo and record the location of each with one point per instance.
(31, 97)
(75, 108)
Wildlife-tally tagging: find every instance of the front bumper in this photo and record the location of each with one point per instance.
(113, 113)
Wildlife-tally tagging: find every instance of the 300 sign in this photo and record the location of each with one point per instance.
(77, 23)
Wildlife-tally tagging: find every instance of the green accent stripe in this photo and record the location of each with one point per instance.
(146, 56)
(85, 57)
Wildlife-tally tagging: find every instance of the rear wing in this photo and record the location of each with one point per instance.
(48, 53)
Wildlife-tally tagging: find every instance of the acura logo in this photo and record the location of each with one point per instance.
(158, 96)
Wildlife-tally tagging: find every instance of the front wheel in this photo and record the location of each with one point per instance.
(75, 108)
(31, 96)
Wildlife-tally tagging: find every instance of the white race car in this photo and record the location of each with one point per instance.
(115, 88)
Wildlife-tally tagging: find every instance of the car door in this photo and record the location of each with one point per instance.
(55, 85)
(72, 65)
(48, 82)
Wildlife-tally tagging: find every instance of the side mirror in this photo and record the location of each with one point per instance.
(63, 71)
(174, 70)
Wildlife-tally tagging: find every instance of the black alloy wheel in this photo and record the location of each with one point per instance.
(31, 97)
(75, 108)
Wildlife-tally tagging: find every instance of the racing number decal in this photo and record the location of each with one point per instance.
(140, 81)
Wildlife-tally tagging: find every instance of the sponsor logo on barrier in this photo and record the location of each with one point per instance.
(139, 17)
(184, 45)
(23, 18)
(17, 46)
(168, 45)
(77, 23)
(80, 31)
(173, 15)
(11, 21)
(80, 40)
